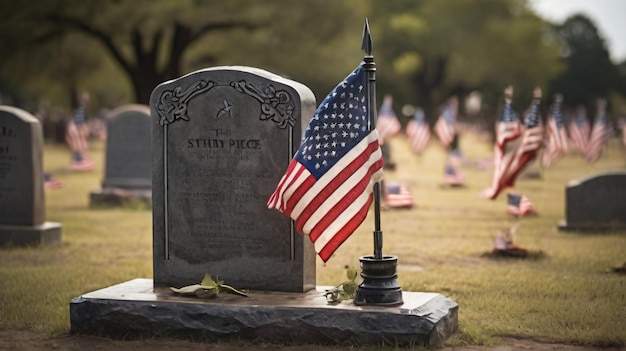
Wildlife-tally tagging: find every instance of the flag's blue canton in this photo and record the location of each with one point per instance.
(419, 115)
(555, 111)
(386, 110)
(601, 117)
(393, 189)
(449, 170)
(514, 199)
(508, 115)
(532, 119)
(339, 123)
(448, 115)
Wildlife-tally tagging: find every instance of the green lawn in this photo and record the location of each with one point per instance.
(562, 294)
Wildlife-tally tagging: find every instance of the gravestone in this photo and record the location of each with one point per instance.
(597, 202)
(22, 206)
(128, 162)
(221, 140)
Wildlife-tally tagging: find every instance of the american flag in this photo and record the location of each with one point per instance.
(516, 159)
(519, 205)
(418, 131)
(556, 137)
(526, 151)
(445, 127)
(327, 188)
(387, 123)
(50, 182)
(397, 196)
(75, 138)
(508, 128)
(504, 240)
(600, 133)
(453, 176)
(579, 130)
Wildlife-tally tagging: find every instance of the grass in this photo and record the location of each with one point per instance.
(563, 294)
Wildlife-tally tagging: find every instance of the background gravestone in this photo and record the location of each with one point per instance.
(221, 140)
(596, 203)
(22, 208)
(128, 162)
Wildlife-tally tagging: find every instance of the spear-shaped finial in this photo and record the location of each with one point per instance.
(367, 39)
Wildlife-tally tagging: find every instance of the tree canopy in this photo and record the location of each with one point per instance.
(425, 51)
(589, 71)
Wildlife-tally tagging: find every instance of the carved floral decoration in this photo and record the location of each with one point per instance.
(276, 105)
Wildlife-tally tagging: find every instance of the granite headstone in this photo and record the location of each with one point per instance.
(221, 140)
(597, 202)
(22, 206)
(128, 162)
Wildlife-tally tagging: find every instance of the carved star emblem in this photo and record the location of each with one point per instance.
(225, 110)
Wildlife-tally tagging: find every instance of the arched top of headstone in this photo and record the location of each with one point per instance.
(577, 182)
(130, 107)
(19, 113)
(276, 94)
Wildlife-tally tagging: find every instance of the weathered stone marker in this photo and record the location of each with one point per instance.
(221, 140)
(597, 202)
(128, 161)
(22, 206)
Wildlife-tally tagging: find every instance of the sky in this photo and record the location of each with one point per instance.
(609, 16)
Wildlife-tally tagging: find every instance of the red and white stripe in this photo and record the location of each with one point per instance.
(330, 209)
(419, 136)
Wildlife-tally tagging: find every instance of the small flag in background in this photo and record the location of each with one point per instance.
(508, 128)
(327, 188)
(387, 123)
(453, 177)
(50, 182)
(579, 130)
(556, 137)
(531, 143)
(519, 205)
(446, 123)
(600, 133)
(397, 196)
(517, 158)
(418, 131)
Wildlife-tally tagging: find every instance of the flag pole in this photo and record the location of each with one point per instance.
(370, 77)
(379, 286)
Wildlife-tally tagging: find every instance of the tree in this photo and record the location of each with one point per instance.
(589, 71)
(438, 48)
(150, 42)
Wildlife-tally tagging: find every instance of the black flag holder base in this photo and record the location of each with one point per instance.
(380, 285)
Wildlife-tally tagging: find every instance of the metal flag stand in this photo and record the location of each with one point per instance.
(379, 286)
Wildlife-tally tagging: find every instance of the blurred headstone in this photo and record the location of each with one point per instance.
(221, 141)
(22, 206)
(597, 202)
(128, 162)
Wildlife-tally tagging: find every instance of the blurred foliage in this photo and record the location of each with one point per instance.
(590, 73)
(425, 51)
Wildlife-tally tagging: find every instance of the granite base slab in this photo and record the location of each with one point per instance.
(564, 226)
(117, 197)
(135, 309)
(21, 235)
